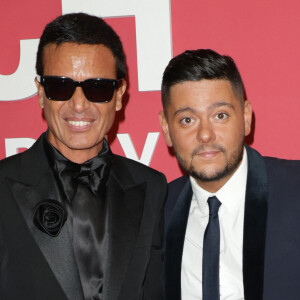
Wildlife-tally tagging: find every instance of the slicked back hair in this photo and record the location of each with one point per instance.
(82, 28)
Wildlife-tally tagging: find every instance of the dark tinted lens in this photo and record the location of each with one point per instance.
(58, 88)
(99, 90)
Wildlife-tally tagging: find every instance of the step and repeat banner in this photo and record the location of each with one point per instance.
(261, 36)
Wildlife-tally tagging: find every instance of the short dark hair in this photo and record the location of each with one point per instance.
(82, 28)
(194, 65)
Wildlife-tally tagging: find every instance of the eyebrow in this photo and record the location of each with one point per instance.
(214, 105)
(221, 103)
(184, 109)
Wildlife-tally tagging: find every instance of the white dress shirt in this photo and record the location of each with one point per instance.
(231, 217)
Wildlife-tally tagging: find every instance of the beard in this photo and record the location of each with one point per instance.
(231, 164)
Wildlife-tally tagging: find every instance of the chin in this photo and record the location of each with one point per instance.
(86, 147)
(209, 175)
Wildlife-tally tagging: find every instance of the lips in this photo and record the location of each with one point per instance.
(208, 151)
(76, 124)
(208, 154)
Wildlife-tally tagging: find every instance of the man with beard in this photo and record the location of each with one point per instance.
(232, 223)
(77, 221)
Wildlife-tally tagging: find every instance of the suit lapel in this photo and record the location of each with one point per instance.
(126, 204)
(57, 251)
(255, 221)
(174, 243)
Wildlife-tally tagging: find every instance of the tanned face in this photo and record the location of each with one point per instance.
(206, 124)
(77, 126)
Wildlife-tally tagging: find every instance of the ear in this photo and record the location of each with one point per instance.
(40, 93)
(165, 128)
(119, 94)
(247, 117)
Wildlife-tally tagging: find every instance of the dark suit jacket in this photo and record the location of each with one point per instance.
(35, 266)
(271, 242)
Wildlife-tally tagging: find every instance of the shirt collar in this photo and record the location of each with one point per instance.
(230, 194)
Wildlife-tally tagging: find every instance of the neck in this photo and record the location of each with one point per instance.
(80, 156)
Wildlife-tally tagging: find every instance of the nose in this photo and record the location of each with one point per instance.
(78, 101)
(206, 133)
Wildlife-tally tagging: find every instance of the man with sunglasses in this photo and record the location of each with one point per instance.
(77, 221)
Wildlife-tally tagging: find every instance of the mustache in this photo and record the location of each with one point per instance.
(212, 147)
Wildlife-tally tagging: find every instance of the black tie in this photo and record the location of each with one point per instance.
(211, 253)
(93, 174)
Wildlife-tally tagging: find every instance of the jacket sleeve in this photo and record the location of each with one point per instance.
(153, 283)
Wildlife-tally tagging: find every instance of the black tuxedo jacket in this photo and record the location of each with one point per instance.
(271, 242)
(36, 266)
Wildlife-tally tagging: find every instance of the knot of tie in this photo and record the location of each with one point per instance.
(84, 175)
(92, 174)
(214, 205)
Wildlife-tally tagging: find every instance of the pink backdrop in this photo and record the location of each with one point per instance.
(262, 37)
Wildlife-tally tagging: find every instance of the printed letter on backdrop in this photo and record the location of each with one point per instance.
(23, 78)
(12, 145)
(153, 32)
(148, 150)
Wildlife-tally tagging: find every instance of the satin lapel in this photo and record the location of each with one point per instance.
(174, 243)
(56, 250)
(126, 205)
(255, 222)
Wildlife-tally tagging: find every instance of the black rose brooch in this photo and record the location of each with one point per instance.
(50, 216)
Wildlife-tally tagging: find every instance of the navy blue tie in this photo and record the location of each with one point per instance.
(211, 253)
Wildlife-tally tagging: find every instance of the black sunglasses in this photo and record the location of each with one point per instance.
(60, 88)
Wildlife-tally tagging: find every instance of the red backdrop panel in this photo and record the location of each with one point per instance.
(261, 36)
